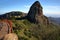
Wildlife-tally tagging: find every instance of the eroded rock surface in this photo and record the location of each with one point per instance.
(35, 10)
(11, 36)
(5, 28)
(35, 14)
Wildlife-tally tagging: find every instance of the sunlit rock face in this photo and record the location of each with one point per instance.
(35, 12)
(5, 28)
(11, 36)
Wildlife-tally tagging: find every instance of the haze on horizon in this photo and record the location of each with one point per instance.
(50, 7)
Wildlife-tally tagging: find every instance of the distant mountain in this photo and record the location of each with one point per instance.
(54, 20)
(15, 14)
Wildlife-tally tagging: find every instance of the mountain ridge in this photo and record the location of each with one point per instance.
(54, 20)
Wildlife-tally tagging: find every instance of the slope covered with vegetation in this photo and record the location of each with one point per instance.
(30, 31)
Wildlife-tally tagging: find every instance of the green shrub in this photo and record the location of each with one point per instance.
(27, 33)
(22, 38)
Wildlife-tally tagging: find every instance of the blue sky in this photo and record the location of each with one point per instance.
(50, 7)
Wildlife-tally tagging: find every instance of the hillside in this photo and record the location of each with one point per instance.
(34, 25)
(30, 31)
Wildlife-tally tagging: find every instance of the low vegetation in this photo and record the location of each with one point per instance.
(30, 31)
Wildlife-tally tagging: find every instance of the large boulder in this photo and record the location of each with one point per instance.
(11, 36)
(5, 28)
(35, 14)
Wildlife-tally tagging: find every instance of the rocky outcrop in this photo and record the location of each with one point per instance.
(35, 11)
(11, 36)
(5, 28)
(35, 14)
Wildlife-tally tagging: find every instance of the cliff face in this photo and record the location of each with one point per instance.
(35, 14)
(35, 11)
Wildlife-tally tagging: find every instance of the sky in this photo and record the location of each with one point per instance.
(50, 7)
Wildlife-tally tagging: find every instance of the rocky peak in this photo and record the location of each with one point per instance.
(35, 11)
(35, 14)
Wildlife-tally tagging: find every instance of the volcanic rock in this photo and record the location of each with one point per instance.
(35, 11)
(35, 14)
